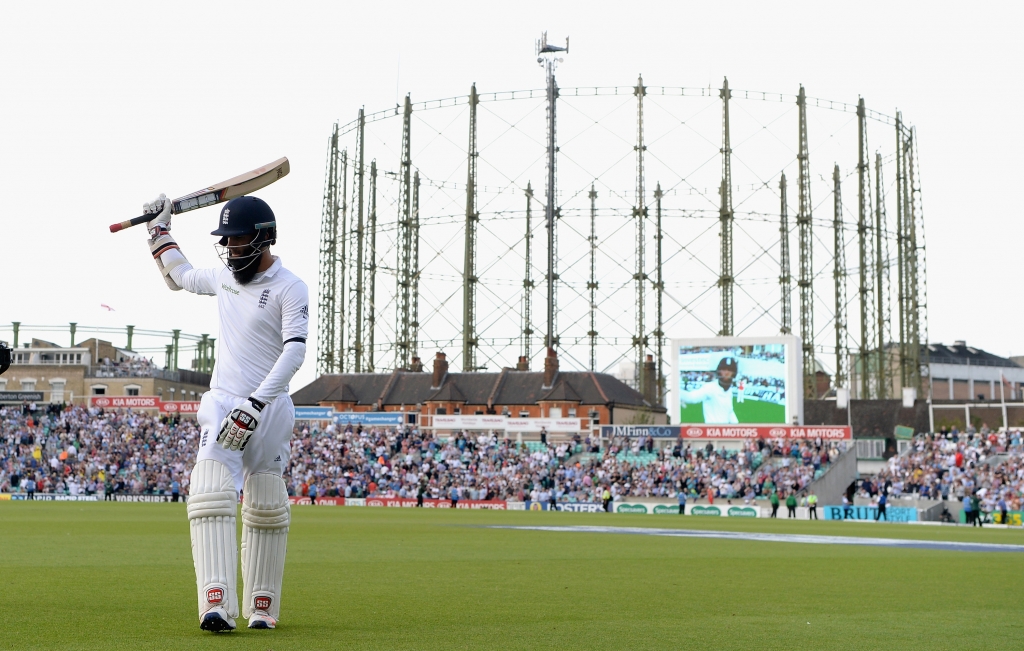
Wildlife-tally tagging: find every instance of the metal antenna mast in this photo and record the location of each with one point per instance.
(726, 280)
(866, 256)
(640, 215)
(806, 281)
(592, 285)
(549, 61)
(404, 244)
(528, 278)
(414, 317)
(659, 287)
(882, 288)
(785, 280)
(360, 272)
(371, 272)
(839, 274)
(469, 279)
(328, 290)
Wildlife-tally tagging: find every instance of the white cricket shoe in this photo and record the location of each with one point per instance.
(216, 620)
(260, 619)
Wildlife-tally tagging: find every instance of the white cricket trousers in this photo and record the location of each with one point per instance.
(267, 450)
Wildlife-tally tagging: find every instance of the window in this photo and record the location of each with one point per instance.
(3, 384)
(457, 411)
(28, 384)
(441, 411)
(57, 390)
(98, 389)
(555, 412)
(524, 414)
(572, 412)
(131, 391)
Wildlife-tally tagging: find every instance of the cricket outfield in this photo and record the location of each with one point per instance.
(119, 576)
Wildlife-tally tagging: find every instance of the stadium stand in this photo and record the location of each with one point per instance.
(91, 451)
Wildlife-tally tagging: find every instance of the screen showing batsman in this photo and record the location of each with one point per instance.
(246, 418)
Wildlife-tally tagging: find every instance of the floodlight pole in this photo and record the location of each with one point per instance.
(785, 279)
(866, 256)
(725, 278)
(806, 281)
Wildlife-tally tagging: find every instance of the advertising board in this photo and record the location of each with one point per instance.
(383, 418)
(893, 513)
(480, 422)
(20, 396)
(825, 432)
(401, 502)
(736, 381)
(145, 402)
(320, 501)
(314, 413)
(580, 507)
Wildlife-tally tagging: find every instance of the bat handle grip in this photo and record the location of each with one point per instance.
(135, 221)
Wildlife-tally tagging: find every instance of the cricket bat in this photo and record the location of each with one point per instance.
(260, 177)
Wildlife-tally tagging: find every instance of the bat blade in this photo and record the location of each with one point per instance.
(240, 185)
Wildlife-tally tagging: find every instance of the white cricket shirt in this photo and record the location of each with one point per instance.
(256, 320)
(717, 402)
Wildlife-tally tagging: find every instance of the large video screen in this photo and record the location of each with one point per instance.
(731, 381)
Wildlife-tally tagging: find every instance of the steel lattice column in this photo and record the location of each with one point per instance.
(839, 275)
(865, 258)
(725, 279)
(414, 317)
(371, 272)
(785, 277)
(914, 302)
(920, 265)
(806, 282)
(404, 245)
(592, 285)
(528, 276)
(469, 278)
(902, 199)
(659, 288)
(640, 215)
(882, 288)
(550, 209)
(328, 332)
(359, 271)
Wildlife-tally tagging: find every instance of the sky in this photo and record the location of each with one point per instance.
(105, 105)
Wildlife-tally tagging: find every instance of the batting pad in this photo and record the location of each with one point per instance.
(265, 519)
(212, 503)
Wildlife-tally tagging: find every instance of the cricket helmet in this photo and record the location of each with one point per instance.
(243, 216)
(728, 364)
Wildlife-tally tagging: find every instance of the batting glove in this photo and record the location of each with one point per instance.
(238, 427)
(161, 209)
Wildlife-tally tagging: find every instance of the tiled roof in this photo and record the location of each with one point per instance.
(507, 388)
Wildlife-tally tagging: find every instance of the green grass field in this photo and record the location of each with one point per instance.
(119, 576)
(748, 411)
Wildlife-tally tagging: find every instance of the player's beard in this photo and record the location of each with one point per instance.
(245, 276)
(725, 384)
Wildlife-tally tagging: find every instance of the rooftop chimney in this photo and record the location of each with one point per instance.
(650, 372)
(440, 370)
(523, 364)
(550, 368)
(960, 342)
(417, 365)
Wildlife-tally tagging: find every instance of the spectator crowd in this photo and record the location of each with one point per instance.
(75, 450)
(984, 466)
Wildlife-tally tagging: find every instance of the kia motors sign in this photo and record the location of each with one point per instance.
(145, 402)
(739, 432)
